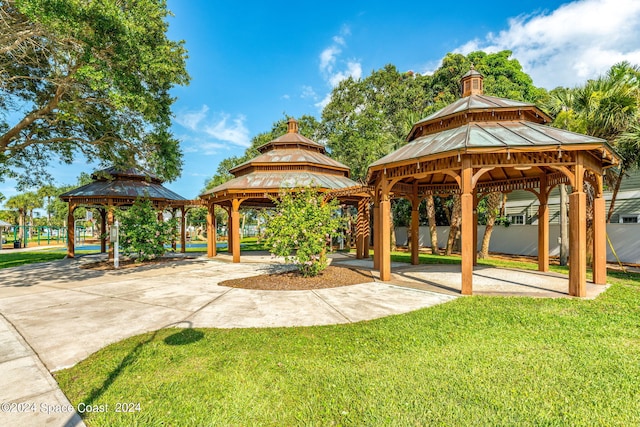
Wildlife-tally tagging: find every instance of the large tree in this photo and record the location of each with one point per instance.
(370, 117)
(607, 107)
(87, 77)
(24, 204)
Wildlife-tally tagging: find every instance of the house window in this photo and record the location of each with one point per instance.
(517, 219)
(629, 219)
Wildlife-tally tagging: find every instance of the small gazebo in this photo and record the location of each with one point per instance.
(114, 188)
(481, 144)
(287, 162)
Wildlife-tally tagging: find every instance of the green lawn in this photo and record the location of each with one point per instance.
(474, 361)
(13, 259)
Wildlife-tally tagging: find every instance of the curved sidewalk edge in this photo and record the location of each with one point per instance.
(29, 395)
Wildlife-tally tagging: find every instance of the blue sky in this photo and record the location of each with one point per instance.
(252, 62)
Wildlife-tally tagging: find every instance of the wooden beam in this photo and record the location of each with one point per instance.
(543, 226)
(467, 225)
(599, 236)
(183, 229)
(211, 231)
(376, 232)
(385, 231)
(578, 234)
(71, 233)
(103, 230)
(476, 201)
(235, 215)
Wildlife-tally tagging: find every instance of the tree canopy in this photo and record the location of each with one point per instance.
(87, 78)
(370, 117)
(607, 107)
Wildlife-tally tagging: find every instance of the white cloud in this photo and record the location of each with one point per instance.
(577, 41)
(328, 58)
(209, 134)
(233, 131)
(285, 96)
(191, 119)
(354, 69)
(324, 101)
(308, 92)
(332, 69)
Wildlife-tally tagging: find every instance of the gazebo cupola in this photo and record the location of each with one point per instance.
(481, 144)
(472, 83)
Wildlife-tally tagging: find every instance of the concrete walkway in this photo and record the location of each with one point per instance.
(53, 315)
(56, 314)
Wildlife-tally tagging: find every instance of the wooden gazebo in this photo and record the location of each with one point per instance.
(114, 188)
(285, 163)
(482, 144)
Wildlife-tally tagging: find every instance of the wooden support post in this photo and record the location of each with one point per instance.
(183, 229)
(415, 231)
(229, 233)
(599, 238)
(109, 225)
(578, 234)
(467, 225)
(360, 229)
(235, 221)
(367, 230)
(174, 243)
(385, 232)
(376, 232)
(103, 230)
(211, 231)
(71, 232)
(543, 226)
(476, 201)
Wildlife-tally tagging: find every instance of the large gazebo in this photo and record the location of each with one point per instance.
(115, 188)
(285, 163)
(481, 144)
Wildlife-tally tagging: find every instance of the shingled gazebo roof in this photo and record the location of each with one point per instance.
(286, 162)
(122, 187)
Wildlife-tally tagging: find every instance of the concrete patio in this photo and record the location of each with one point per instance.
(55, 314)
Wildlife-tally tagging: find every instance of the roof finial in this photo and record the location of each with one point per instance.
(292, 125)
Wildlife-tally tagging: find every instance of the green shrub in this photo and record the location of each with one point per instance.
(302, 227)
(141, 233)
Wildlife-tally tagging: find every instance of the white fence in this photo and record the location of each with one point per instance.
(523, 240)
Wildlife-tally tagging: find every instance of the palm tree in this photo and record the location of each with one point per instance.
(25, 204)
(607, 107)
(48, 191)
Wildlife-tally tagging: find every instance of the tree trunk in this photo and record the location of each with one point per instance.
(503, 208)
(454, 224)
(614, 196)
(493, 208)
(564, 226)
(22, 226)
(433, 230)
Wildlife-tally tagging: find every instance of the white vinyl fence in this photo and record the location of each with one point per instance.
(523, 240)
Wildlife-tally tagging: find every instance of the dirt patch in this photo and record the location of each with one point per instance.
(130, 263)
(331, 277)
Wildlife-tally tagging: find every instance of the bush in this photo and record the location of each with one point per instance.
(301, 229)
(141, 233)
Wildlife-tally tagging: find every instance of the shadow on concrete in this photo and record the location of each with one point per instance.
(70, 270)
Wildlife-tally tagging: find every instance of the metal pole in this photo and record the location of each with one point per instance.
(116, 253)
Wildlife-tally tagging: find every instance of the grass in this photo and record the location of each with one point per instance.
(14, 259)
(476, 360)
